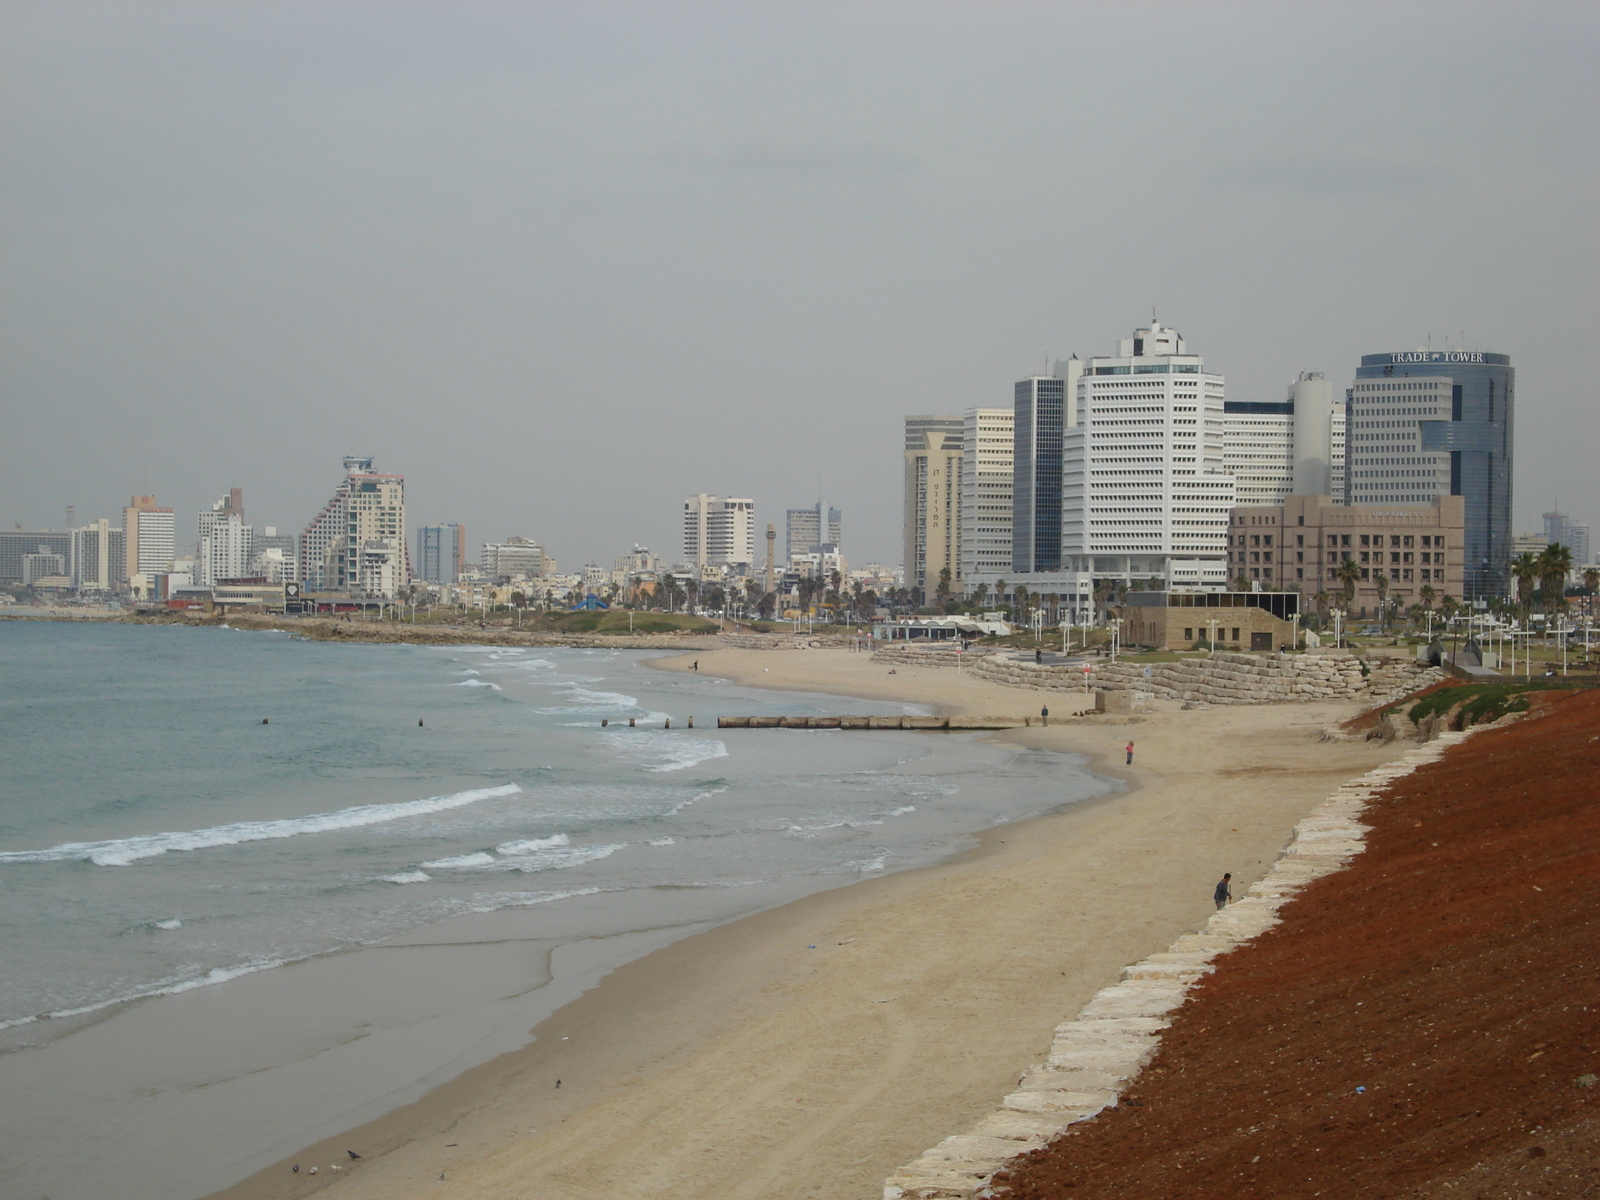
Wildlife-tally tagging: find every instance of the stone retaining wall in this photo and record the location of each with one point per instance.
(927, 654)
(1096, 1054)
(1225, 678)
(785, 641)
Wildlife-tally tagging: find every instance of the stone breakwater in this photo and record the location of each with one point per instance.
(1094, 1056)
(1222, 678)
(923, 654)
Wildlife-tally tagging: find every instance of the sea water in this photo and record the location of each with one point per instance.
(180, 807)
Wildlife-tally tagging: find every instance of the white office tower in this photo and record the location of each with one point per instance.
(1275, 450)
(1145, 491)
(718, 531)
(357, 543)
(986, 491)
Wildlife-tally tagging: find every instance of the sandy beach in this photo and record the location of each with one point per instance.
(821, 1044)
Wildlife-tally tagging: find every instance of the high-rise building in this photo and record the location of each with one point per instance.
(1040, 405)
(98, 557)
(808, 530)
(1429, 423)
(1574, 535)
(718, 531)
(1293, 447)
(227, 544)
(986, 459)
(932, 530)
(359, 536)
(441, 552)
(149, 535)
(1145, 491)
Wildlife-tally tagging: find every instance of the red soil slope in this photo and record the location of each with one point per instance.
(1424, 1023)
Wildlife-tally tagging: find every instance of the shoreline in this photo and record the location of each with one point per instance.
(761, 1035)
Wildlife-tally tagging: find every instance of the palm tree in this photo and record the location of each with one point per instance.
(1348, 574)
(941, 594)
(1554, 565)
(1382, 584)
(1240, 583)
(1427, 595)
(1525, 570)
(1591, 580)
(979, 594)
(1000, 594)
(1321, 602)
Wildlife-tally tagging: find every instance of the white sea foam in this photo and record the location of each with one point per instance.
(666, 841)
(876, 863)
(173, 923)
(407, 877)
(479, 859)
(120, 852)
(477, 683)
(695, 799)
(549, 858)
(532, 844)
(663, 750)
(215, 975)
(901, 811)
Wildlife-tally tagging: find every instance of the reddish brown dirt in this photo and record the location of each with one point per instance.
(1452, 972)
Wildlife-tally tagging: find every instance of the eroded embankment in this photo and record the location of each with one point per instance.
(1425, 1022)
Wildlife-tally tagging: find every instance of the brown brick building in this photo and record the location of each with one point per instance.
(1300, 546)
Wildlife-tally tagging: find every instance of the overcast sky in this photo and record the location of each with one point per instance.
(563, 264)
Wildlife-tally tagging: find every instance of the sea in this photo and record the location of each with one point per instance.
(182, 807)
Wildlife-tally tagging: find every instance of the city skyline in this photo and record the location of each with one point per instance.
(252, 223)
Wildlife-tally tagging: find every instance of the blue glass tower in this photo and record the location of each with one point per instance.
(1426, 423)
(1036, 474)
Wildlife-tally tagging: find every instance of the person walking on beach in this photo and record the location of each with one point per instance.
(1130, 752)
(1224, 892)
(1038, 657)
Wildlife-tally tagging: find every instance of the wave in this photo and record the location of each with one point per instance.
(477, 683)
(663, 841)
(551, 857)
(695, 799)
(478, 859)
(670, 751)
(523, 899)
(407, 877)
(532, 844)
(120, 852)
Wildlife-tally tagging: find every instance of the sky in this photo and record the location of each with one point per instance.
(564, 264)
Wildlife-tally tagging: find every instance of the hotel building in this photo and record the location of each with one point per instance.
(931, 536)
(809, 530)
(441, 552)
(718, 532)
(1039, 407)
(986, 492)
(149, 537)
(357, 542)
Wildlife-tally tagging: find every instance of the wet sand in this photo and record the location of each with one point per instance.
(822, 1043)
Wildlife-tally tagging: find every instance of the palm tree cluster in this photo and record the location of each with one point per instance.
(1544, 576)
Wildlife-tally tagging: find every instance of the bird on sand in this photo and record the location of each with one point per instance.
(295, 1168)
(352, 1154)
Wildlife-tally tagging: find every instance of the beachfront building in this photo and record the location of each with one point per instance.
(1290, 447)
(931, 533)
(98, 558)
(986, 492)
(338, 550)
(1430, 423)
(149, 535)
(1145, 489)
(226, 542)
(1211, 619)
(17, 544)
(718, 531)
(1398, 550)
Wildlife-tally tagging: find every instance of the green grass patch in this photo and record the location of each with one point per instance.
(1480, 702)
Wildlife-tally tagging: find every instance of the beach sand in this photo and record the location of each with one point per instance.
(815, 1047)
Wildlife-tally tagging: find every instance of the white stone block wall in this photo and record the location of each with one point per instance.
(1096, 1054)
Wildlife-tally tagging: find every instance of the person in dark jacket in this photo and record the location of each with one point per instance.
(1224, 892)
